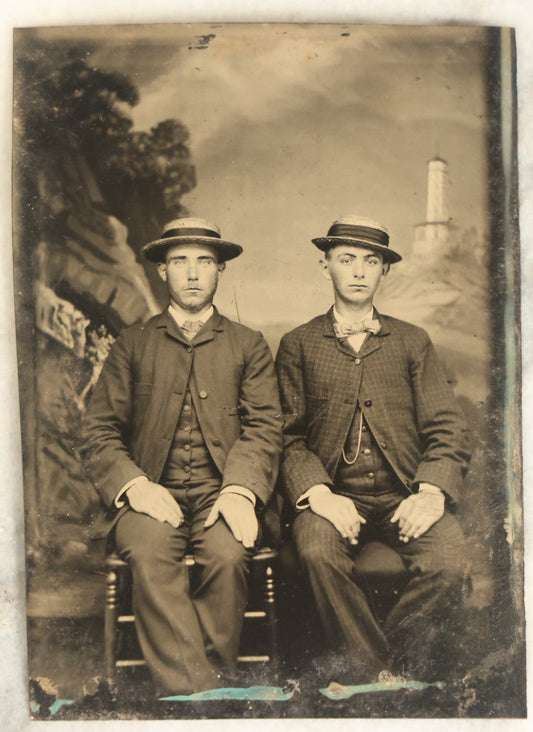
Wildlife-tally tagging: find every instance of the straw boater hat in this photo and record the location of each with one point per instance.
(190, 231)
(358, 232)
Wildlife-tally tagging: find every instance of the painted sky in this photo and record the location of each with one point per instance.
(293, 126)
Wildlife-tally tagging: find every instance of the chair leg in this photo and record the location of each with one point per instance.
(110, 624)
(270, 608)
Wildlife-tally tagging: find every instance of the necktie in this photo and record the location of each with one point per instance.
(345, 330)
(191, 328)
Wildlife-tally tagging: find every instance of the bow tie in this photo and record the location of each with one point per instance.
(191, 327)
(345, 330)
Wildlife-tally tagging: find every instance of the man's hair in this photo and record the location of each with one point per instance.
(327, 253)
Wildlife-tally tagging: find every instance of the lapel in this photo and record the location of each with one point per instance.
(371, 343)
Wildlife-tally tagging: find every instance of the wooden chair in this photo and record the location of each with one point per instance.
(121, 645)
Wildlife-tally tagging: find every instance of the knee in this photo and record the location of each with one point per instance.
(143, 543)
(231, 558)
(449, 568)
(317, 557)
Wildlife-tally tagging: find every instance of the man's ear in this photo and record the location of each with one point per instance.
(386, 267)
(221, 267)
(324, 269)
(162, 269)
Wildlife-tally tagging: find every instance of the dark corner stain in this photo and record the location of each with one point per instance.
(202, 42)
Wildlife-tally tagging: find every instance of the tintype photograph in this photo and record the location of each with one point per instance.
(267, 310)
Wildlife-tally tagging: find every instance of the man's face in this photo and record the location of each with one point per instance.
(355, 272)
(191, 272)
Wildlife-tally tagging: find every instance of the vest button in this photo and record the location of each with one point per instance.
(187, 468)
(203, 395)
(186, 408)
(366, 451)
(364, 428)
(368, 403)
(370, 475)
(384, 445)
(357, 361)
(216, 443)
(187, 447)
(189, 349)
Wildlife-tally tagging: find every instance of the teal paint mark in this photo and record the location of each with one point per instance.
(56, 706)
(337, 691)
(53, 708)
(262, 693)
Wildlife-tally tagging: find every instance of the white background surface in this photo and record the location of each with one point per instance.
(20, 13)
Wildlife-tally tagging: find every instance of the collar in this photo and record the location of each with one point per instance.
(339, 318)
(166, 321)
(180, 315)
(329, 319)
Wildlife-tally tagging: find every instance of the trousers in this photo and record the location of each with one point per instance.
(419, 622)
(189, 636)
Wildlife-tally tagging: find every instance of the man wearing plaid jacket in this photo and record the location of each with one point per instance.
(374, 446)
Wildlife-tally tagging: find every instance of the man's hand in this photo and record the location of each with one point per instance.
(416, 514)
(239, 514)
(340, 511)
(155, 501)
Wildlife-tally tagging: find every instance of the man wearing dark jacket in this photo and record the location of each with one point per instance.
(182, 440)
(374, 446)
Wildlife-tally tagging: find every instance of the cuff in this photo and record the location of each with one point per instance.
(241, 491)
(119, 500)
(430, 488)
(303, 502)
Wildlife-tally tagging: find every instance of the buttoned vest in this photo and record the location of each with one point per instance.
(188, 458)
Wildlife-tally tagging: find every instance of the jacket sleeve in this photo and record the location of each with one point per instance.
(253, 459)
(301, 468)
(441, 425)
(107, 423)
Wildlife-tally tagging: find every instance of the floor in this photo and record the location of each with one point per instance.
(65, 638)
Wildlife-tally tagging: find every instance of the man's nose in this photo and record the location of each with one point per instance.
(192, 272)
(358, 269)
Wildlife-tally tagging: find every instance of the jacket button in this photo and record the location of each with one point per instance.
(203, 395)
(189, 349)
(186, 408)
(216, 443)
(366, 451)
(368, 403)
(370, 475)
(357, 361)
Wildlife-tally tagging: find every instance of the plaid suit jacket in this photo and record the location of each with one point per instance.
(402, 389)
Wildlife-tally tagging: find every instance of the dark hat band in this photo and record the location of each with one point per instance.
(190, 232)
(364, 233)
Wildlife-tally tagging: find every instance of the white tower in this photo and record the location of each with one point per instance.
(432, 237)
(437, 203)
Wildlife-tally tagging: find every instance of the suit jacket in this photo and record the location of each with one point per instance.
(136, 404)
(403, 392)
